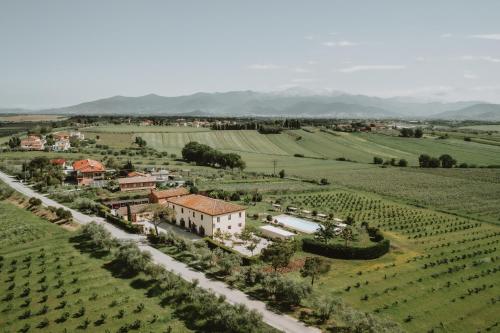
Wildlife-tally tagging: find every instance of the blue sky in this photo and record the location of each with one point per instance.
(55, 53)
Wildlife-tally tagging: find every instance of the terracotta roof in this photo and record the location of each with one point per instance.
(136, 179)
(88, 166)
(122, 211)
(136, 173)
(175, 192)
(58, 161)
(206, 205)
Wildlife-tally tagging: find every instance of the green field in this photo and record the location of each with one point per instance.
(495, 128)
(441, 275)
(43, 272)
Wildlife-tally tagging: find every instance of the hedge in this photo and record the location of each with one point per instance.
(339, 251)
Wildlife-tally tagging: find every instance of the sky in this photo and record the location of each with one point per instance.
(58, 53)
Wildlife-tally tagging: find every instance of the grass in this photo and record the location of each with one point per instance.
(32, 117)
(38, 255)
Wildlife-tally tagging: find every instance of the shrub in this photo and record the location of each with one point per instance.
(346, 252)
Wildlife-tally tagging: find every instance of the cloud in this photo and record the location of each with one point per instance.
(470, 76)
(486, 36)
(360, 68)
(420, 59)
(342, 43)
(301, 70)
(263, 66)
(486, 88)
(446, 35)
(312, 62)
(310, 37)
(480, 58)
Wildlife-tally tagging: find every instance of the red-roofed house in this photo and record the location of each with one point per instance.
(207, 216)
(87, 171)
(32, 142)
(59, 161)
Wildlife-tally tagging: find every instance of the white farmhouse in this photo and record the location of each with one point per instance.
(207, 216)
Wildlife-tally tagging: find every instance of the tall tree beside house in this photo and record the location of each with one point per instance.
(160, 212)
(314, 266)
(326, 232)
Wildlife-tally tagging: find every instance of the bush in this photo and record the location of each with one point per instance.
(346, 252)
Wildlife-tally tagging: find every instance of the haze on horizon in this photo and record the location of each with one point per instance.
(59, 53)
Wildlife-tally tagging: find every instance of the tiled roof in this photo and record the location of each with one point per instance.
(88, 166)
(206, 205)
(136, 179)
(165, 194)
(58, 161)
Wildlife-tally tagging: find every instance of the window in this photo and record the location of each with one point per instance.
(229, 227)
(239, 214)
(193, 214)
(218, 229)
(229, 217)
(202, 217)
(218, 219)
(182, 210)
(239, 224)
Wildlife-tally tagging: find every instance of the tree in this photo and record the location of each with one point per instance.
(434, 162)
(278, 254)
(325, 307)
(347, 235)
(447, 161)
(34, 202)
(326, 231)
(282, 173)
(324, 181)
(418, 132)
(14, 142)
(252, 245)
(406, 132)
(377, 160)
(140, 142)
(403, 163)
(314, 266)
(424, 160)
(159, 212)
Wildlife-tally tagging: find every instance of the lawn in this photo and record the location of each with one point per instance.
(49, 285)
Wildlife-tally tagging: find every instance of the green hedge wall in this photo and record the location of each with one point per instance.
(339, 251)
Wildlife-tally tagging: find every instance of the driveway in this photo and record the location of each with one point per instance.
(281, 322)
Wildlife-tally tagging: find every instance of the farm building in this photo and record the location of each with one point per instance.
(61, 145)
(138, 213)
(206, 216)
(88, 172)
(275, 232)
(161, 197)
(32, 142)
(137, 183)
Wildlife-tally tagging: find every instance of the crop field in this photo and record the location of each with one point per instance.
(47, 285)
(441, 275)
(32, 117)
(132, 128)
(470, 192)
(495, 128)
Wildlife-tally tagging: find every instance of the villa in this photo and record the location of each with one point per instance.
(207, 216)
(61, 145)
(136, 213)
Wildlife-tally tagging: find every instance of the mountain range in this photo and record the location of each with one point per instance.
(288, 103)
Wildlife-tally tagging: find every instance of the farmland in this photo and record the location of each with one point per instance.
(440, 265)
(49, 285)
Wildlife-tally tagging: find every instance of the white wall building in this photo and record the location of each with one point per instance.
(206, 216)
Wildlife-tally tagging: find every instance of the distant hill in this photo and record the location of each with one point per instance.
(487, 112)
(293, 102)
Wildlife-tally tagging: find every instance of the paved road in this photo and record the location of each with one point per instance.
(233, 296)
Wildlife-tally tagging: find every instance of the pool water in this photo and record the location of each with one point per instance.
(298, 224)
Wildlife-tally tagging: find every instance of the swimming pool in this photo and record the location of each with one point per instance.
(298, 224)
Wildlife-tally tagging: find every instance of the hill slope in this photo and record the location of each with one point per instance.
(487, 112)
